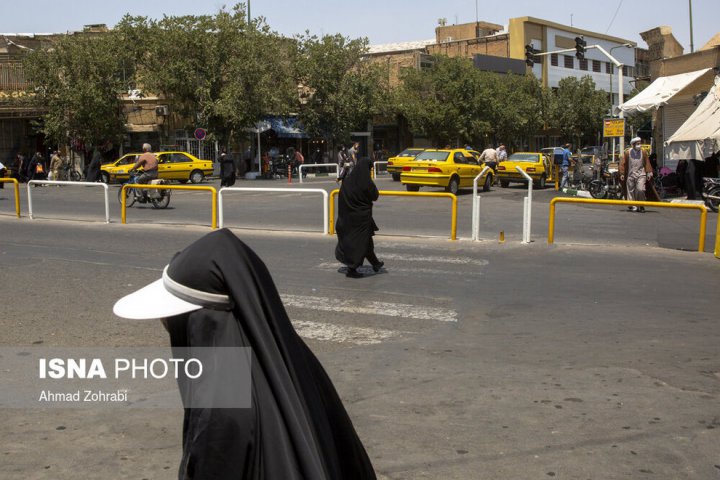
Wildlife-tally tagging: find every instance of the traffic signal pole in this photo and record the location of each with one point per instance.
(617, 64)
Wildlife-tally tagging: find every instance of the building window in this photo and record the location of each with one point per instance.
(609, 68)
(583, 64)
(568, 61)
(628, 71)
(596, 66)
(554, 59)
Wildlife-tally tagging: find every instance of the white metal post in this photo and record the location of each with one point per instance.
(528, 221)
(476, 206)
(620, 102)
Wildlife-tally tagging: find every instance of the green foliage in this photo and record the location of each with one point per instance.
(219, 70)
(339, 90)
(78, 81)
(577, 109)
(455, 103)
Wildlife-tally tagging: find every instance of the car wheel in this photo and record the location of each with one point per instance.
(396, 177)
(453, 186)
(104, 177)
(504, 183)
(541, 183)
(196, 176)
(488, 181)
(412, 188)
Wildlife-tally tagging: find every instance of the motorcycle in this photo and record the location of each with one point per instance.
(159, 198)
(711, 193)
(606, 183)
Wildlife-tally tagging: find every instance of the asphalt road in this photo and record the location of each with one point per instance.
(594, 358)
(501, 211)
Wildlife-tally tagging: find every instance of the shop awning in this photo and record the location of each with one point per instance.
(659, 92)
(699, 137)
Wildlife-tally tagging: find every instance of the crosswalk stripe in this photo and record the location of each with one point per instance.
(329, 332)
(433, 259)
(370, 308)
(398, 269)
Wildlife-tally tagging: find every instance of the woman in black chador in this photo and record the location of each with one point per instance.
(355, 226)
(217, 292)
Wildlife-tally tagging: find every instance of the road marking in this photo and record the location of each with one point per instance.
(370, 308)
(434, 259)
(396, 269)
(329, 332)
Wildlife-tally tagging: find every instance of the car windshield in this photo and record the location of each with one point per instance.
(523, 157)
(433, 156)
(588, 151)
(409, 152)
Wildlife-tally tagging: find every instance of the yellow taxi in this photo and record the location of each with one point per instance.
(535, 164)
(395, 164)
(452, 169)
(180, 166)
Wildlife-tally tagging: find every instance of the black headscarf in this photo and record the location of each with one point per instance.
(355, 225)
(297, 427)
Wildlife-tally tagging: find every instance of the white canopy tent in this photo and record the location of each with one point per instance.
(659, 92)
(699, 137)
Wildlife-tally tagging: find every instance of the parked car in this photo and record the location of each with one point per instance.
(534, 164)
(180, 166)
(451, 169)
(395, 164)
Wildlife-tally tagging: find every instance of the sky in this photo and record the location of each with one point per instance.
(383, 21)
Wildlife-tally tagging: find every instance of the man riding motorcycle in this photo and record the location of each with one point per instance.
(149, 163)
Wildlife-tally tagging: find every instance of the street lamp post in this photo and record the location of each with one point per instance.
(620, 95)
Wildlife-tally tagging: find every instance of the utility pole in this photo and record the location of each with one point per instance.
(249, 17)
(692, 44)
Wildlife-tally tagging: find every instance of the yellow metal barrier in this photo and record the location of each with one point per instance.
(17, 193)
(453, 199)
(703, 213)
(717, 237)
(123, 205)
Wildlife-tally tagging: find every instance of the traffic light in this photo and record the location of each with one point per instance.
(531, 55)
(580, 45)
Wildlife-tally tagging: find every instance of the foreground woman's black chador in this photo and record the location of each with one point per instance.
(297, 427)
(355, 226)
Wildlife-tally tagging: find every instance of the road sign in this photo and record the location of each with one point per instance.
(614, 127)
(200, 133)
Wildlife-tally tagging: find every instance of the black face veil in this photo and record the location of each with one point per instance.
(297, 427)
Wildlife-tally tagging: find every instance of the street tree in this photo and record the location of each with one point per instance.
(445, 103)
(78, 81)
(218, 70)
(339, 90)
(577, 109)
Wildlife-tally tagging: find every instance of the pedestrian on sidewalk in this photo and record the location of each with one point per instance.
(218, 293)
(227, 169)
(565, 166)
(355, 226)
(636, 173)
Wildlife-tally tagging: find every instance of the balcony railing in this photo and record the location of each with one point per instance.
(12, 77)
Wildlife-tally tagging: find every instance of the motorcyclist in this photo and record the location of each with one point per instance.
(149, 163)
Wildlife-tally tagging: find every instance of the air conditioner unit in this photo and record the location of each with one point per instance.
(162, 110)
